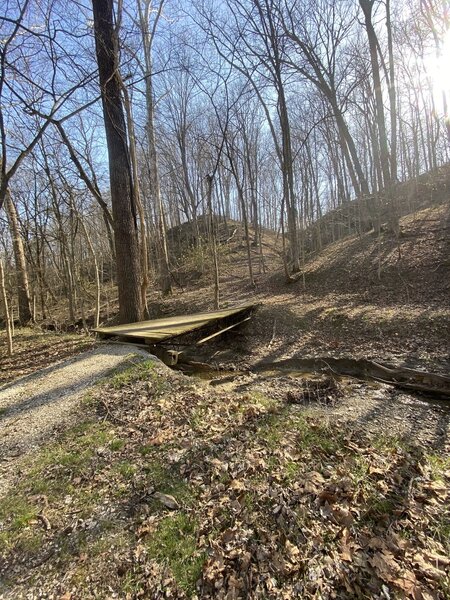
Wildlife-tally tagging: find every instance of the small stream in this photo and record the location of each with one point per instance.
(346, 371)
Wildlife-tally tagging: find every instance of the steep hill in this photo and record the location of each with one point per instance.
(373, 294)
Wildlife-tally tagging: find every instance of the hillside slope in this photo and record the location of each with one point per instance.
(374, 295)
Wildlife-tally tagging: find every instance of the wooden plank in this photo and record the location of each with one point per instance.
(162, 329)
(210, 337)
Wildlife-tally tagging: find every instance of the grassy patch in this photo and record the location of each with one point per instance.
(133, 373)
(16, 509)
(259, 399)
(116, 444)
(50, 479)
(126, 469)
(168, 481)
(244, 469)
(440, 529)
(197, 419)
(437, 464)
(272, 427)
(316, 437)
(174, 542)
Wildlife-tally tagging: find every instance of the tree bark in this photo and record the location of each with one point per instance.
(392, 93)
(367, 7)
(145, 282)
(23, 291)
(122, 199)
(7, 315)
(155, 188)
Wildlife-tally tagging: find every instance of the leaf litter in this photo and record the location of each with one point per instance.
(201, 493)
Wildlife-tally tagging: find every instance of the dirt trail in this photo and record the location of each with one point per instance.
(32, 408)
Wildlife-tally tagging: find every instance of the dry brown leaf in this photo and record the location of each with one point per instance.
(237, 484)
(376, 471)
(385, 565)
(377, 543)
(327, 496)
(157, 440)
(438, 559)
(406, 582)
(228, 535)
(313, 482)
(427, 569)
(343, 516)
(346, 552)
(292, 551)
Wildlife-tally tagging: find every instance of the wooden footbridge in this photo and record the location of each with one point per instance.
(160, 330)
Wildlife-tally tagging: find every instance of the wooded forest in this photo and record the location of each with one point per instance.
(267, 112)
(224, 299)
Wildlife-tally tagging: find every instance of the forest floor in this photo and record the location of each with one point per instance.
(168, 487)
(34, 407)
(253, 486)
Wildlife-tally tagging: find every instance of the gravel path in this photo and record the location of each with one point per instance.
(32, 408)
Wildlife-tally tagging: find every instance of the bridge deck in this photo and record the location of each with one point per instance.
(158, 330)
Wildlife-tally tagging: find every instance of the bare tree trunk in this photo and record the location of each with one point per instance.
(392, 93)
(7, 315)
(123, 202)
(137, 196)
(209, 190)
(23, 291)
(97, 274)
(65, 254)
(367, 7)
(155, 188)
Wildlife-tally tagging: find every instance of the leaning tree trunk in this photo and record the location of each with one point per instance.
(23, 291)
(122, 199)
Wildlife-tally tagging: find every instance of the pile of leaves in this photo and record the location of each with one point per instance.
(174, 490)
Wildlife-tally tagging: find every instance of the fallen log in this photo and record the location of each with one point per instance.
(401, 377)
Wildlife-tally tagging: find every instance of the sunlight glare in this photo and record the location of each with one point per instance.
(438, 69)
